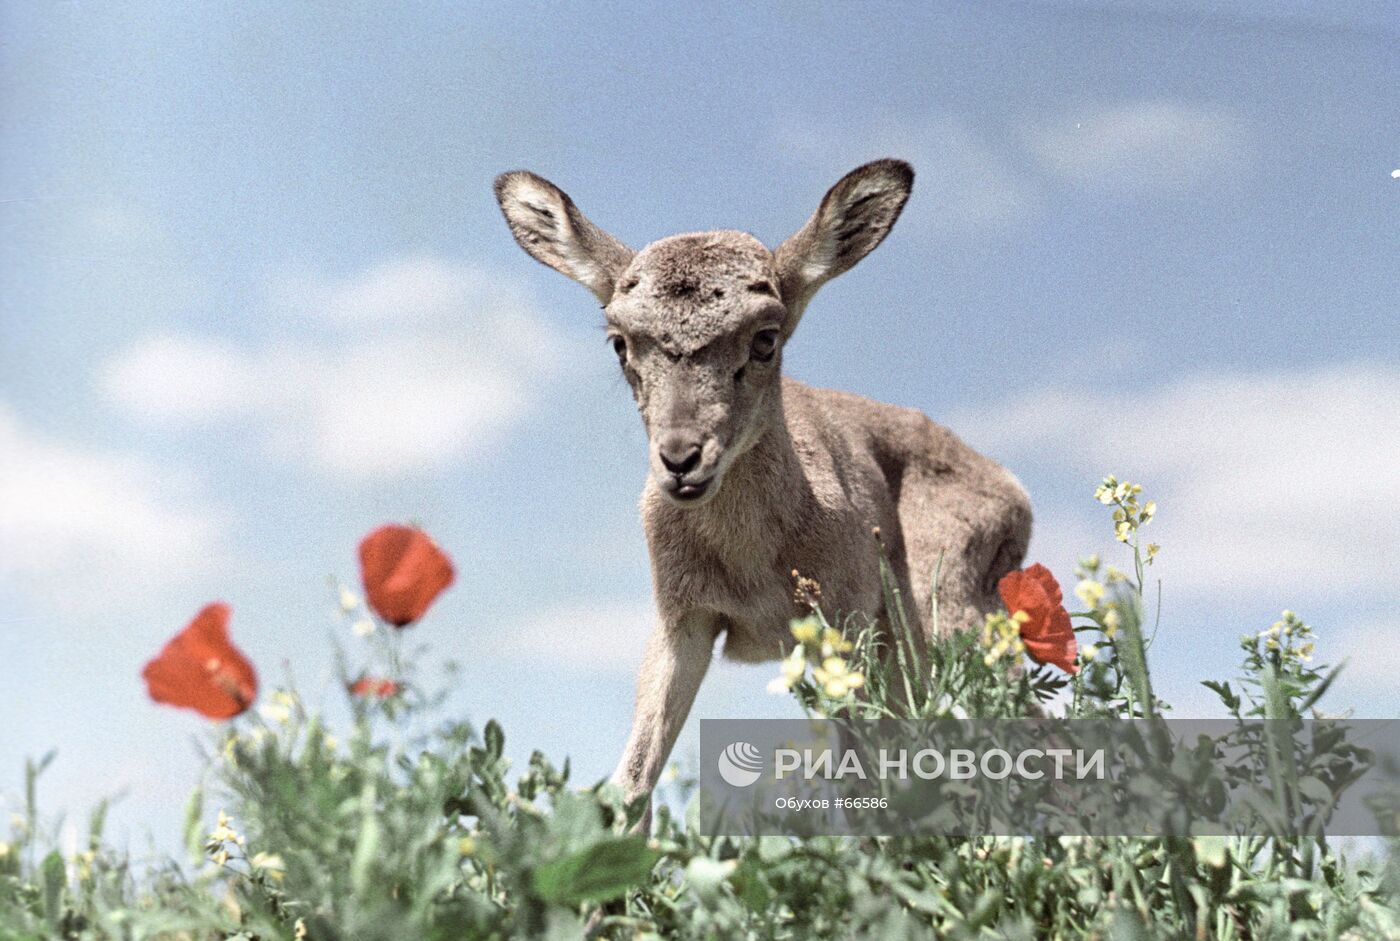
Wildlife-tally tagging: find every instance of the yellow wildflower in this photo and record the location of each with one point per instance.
(1002, 635)
(1090, 592)
(224, 832)
(271, 864)
(793, 669)
(833, 643)
(806, 630)
(839, 687)
(836, 677)
(795, 664)
(466, 846)
(279, 707)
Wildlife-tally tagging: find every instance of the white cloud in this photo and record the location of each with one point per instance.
(605, 636)
(980, 175)
(1372, 655)
(970, 181)
(76, 526)
(428, 362)
(403, 291)
(1281, 484)
(967, 180)
(180, 380)
(1142, 143)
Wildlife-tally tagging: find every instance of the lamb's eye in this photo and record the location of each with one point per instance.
(619, 345)
(765, 343)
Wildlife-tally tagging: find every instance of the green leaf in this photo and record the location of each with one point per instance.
(564, 926)
(367, 843)
(55, 878)
(773, 848)
(1320, 689)
(706, 875)
(1223, 690)
(750, 886)
(600, 873)
(1127, 925)
(1315, 790)
(32, 770)
(96, 823)
(194, 814)
(1212, 851)
(495, 739)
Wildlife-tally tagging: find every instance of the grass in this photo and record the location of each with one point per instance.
(405, 827)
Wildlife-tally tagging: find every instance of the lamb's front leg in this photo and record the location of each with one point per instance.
(677, 655)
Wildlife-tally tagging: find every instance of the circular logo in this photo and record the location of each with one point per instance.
(740, 764)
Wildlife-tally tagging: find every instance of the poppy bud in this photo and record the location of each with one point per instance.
(200, 669)
(403, 571)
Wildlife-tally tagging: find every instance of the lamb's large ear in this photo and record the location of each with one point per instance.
(855, 215)
(547, 224)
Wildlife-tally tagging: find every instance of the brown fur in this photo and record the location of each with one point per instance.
(789, 477)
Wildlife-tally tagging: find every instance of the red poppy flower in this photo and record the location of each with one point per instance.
(372, 687)
(201, 670)
(1046, 632)
(403, 571)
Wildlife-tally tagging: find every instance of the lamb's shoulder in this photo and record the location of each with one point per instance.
(853, 423)
(831, 435)
(897, 439)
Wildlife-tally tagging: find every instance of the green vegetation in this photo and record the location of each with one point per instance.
(385, 832)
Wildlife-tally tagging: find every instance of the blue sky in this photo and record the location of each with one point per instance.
(256, 298)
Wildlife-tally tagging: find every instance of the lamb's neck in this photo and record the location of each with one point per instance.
(766, 488)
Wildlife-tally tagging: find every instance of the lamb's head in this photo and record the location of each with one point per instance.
(698, 321)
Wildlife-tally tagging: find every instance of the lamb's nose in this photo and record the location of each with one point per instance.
(679, 452)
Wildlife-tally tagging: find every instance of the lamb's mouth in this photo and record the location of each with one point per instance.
(686, 492)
